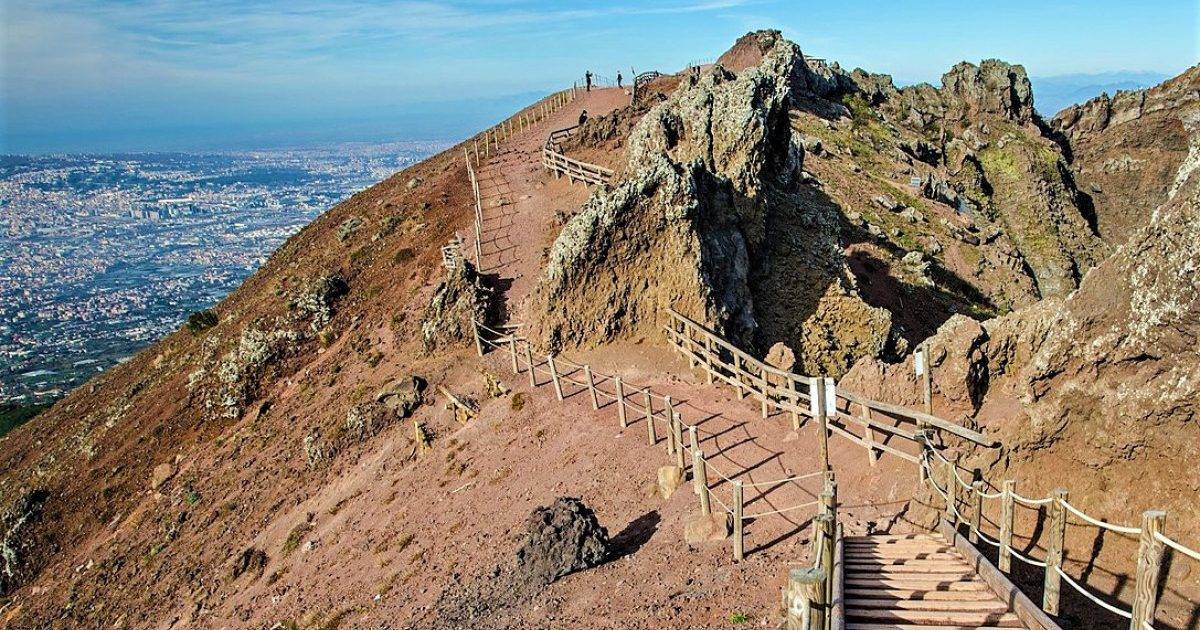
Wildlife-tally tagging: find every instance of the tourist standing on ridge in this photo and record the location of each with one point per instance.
(618, 79)
(583, 117)
(587, 76)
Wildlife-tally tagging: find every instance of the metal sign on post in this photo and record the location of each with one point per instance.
(919, 361)
(813, 384)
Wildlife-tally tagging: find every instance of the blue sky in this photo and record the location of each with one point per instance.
(96, 75)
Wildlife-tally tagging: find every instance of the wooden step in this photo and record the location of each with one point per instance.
(895, 562)
(911, 627)
(960, 595)
(916, 583)
(886, 555)
(934, 617)
(992, 605)
(939, 569)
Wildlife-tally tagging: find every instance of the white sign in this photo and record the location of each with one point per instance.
(830, 397)
(814, 384)
(919, 361)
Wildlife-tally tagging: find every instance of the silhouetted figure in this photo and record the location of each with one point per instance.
(619, 79)
(583, 117)
(587, 77)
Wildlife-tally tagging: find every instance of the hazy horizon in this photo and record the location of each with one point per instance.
(154, 75)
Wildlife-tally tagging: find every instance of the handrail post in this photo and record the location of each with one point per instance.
(512, 352)
(1150, 554)
(700, 481)
(976, 515)
(869, 435)
(738, 544)
(554, 376)
(708, 358)
(795, 400)
(478, 336)
(817, 391)
(1006, 524)
(671, 445)
(650, 434)
(764, 386)
(1054, 552)
(529, 360)
(951, 495)
(620, 387)
(927, 381)
(737, 372)
(926, 458)
(804, 608)
(679, 458)
(591, 383)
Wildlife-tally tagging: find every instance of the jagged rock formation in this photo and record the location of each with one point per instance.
(1128, 149)
(460, 299)
(741, 204)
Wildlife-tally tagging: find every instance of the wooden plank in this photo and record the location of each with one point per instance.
(927, 617)
(911, 593)
(905, 626)
(927, 569)
(989, 605)
(915, 583)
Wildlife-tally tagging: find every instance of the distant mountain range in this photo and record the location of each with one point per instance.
(1052, 94)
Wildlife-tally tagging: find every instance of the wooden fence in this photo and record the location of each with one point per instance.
(958, 495)
(813, 597)
(788, 392)
(558, 163)
(835, 409)
(662, 417)
(640, 81)
(483, 144)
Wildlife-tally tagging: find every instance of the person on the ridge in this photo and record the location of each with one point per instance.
(619, 79)
(583, 117)
(587, 77)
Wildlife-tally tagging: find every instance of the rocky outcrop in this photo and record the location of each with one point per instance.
(1128, 149)
(457, 301)
(710, 172)
(18, 552)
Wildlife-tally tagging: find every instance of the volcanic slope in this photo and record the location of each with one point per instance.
(274, 468)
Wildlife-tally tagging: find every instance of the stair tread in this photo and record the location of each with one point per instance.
(906, 626)
(953, 618)
(986, 605)
(916, 584)
(961, 595)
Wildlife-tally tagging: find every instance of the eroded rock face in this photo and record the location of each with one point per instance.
(560, 539)
(18, 554)
(457, 300)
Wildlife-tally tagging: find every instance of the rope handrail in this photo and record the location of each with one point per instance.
(779, 481)
(781, 510)
(1120, 529)
(1173, 544)
(1128, 614)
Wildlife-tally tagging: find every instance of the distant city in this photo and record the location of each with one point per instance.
(101, 255)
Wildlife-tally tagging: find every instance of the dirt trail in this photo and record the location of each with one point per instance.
(520, 199)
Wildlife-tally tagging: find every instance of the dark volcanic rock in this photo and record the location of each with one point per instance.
(560, 539)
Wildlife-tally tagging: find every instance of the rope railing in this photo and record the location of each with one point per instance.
(1152, 541)
(564, 372)
(812, 597)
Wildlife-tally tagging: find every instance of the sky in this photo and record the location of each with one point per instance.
(118, 75)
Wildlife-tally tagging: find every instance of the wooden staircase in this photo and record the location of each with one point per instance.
(916, 581)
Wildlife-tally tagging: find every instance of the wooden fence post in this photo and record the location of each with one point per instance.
(679, 459)
(805, 610)
(1054, 552)
(478, 337)
(927, 382)
(512, 352)
(700, 481)
(738, 544)
(764, 387)
(951, 495)
(620, 387)
(529, 361)
(670, 412)
(591, 384)
(817, 390)
(737, 373)
(869, 435)
(554, 376)
(976, 514)
(650, 433)
(1150, 554)
(795, 400)
(1006, 524)
(694, 437)
(708, 358)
